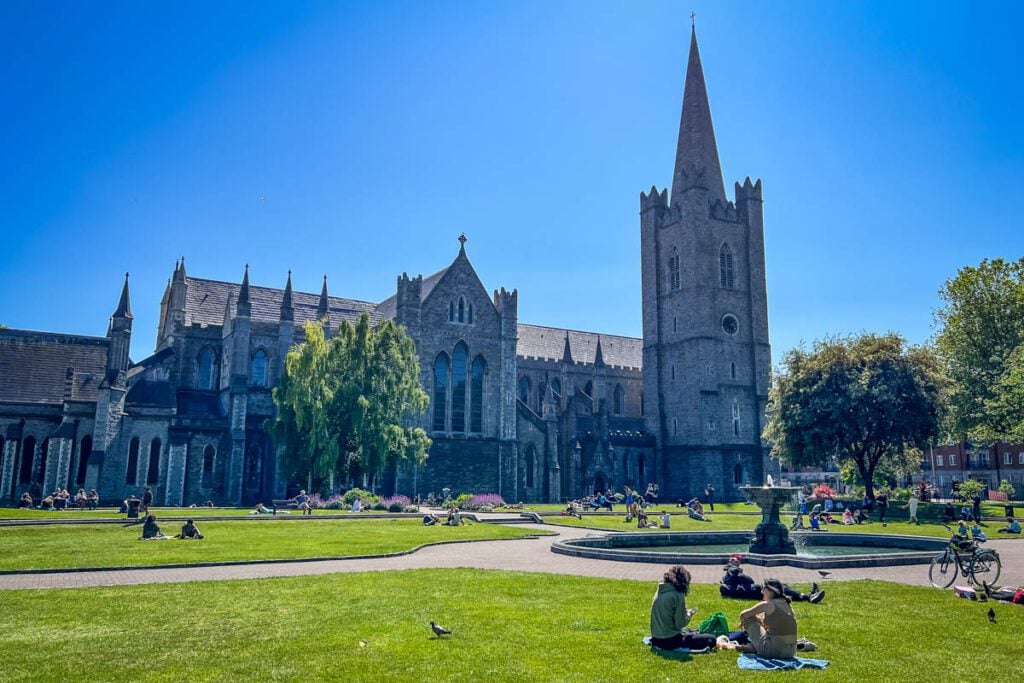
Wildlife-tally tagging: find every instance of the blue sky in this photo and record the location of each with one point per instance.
(359, 140)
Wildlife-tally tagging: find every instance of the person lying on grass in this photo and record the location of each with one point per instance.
(770, 624)
(151, 530)
(261, 509)
(736, 584)
(189, 532)
(668, 609)
(430, 519)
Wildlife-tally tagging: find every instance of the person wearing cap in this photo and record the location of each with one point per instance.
(770, 624)
(668, 609)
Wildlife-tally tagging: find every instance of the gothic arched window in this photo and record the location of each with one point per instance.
(258, 369)
(541, 390)
(459, 359)
(725, 268)
(476, 395)
(732, 370)
(673, 270)
(524, 389)
(205, 373)
(530, 464)
(735, 418)
(641, 466)
(556, 389)
(617, 399)
(589, 389)
(254, 468)
(440, 391)
(737, 474)
(153, 471)
(470, 318)
(28, 454)
(84, 451)
(131, 475)
(451, 311)
(209, 455)
(462, 310)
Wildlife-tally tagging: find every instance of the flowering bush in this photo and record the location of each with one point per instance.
(351, 495)
(315, 501)
(335, 502)
(476, 502)
(395, 503)
(823, 491)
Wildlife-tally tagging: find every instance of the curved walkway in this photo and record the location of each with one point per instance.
(528, 555)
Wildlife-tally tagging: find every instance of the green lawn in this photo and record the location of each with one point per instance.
(507, 627)
(110, 545)
(734, 522)
(112, 513)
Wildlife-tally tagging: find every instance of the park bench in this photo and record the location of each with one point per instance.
(286, 503)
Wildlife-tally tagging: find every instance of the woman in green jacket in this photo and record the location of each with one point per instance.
(668, 609)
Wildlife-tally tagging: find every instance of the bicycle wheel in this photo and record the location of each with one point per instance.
(943, 570)
(986, 567)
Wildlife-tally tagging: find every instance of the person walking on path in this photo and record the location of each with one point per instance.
(709, 493)
(147, 500)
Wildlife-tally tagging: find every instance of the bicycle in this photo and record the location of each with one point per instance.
(964, 557)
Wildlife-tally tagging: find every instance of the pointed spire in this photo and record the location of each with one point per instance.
(323, 306)
(598, 356)
(566, 351)
(697, 153)
(179, 271)
(287, 308)
(124, 305)
(243, 293)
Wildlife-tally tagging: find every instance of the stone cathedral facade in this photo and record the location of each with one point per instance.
(534, 413)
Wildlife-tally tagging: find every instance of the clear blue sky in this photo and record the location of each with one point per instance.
(359, 140)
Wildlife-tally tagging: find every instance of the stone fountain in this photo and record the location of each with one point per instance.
(771, 537)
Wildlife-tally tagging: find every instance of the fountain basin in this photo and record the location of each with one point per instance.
(837, 549)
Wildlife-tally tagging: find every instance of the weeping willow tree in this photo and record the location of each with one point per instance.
(348, 406)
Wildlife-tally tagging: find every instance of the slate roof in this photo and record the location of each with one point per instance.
(207, 299)
(549, 342)
(34, 366)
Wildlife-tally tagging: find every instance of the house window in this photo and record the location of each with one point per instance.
(205, 374)
(617, 399)
(1020, 459)
(725, 269)
(84, 451)
(131, 477)
(258, 369)
(673, 270)
(209, 455)
(524, 389)
(938, 460)
(952, 459)
(476, 395)
(440, 391)
(153, 471)
(1007, 458)
(459, 360)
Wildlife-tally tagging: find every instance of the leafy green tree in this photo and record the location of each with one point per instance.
(348, 406)
(863, 400)
(971, 488)
(981, 330)
(1006, 487)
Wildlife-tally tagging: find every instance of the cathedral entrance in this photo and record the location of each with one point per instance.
(600, 483)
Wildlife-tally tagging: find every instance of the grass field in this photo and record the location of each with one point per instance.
(112, 513)
(734, 522)
(507, 627)
(110, 545)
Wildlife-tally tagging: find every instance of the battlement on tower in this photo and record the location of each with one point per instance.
(724, 211)
(653, 199)
(749, 190)
(689, 177)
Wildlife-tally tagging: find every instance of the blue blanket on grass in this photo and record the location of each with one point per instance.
(755, 663)
(680, 650)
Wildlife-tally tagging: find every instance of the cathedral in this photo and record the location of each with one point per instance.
(531, 412)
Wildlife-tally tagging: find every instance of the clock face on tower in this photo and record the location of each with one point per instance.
(730, 325)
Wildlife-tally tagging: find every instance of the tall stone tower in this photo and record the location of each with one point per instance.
(705, 314)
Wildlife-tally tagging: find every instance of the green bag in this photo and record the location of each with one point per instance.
(716, 625)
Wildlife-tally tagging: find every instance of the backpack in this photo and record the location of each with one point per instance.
(716, 625)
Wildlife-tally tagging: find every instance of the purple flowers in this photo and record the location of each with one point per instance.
(491, 500)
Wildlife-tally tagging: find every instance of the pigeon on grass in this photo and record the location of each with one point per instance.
(439, 630)
(992, 615)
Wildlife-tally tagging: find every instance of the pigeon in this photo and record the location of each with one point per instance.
(362, 643)
(823, 573)
(439, 630)
(992, 615)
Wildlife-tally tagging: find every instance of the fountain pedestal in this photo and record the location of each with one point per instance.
(771, 537)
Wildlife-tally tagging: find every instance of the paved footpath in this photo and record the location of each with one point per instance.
(528, 555)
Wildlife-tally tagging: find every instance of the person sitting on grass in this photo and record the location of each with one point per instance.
(81, 500)
(573, 509)
(151, 530)
(977, 533)
(47, 503)
(641, 520)
(669, 614)
(736, 584)
(93, 499)
(696, 511)
(815, 524)
(948, 513)
(455, 517)
(666, 520)
(357, 505)
(798, 522)
(25, 501)
(770, 624)
(189, 532)
(1012, 527)
(847, 517)
(860, 517)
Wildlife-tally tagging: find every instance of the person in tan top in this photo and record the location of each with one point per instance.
(770, 624)
(668, 609)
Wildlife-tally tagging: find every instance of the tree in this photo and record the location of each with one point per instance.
(864, 400)
(349, 405)
(981, 330)
(1007, 488)
(971, 488)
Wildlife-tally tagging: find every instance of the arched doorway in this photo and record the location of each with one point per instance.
(600, 483)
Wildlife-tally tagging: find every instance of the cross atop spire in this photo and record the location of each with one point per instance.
(697, 162)
(462, 242)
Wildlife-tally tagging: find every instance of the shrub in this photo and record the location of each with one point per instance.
(335, 502)
(971, 488)
(460, 501)
(1006, 487)
(378, 506)
(351, 495)
(315, 501)
(395, 503)
(478, 502)
(411, 508)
